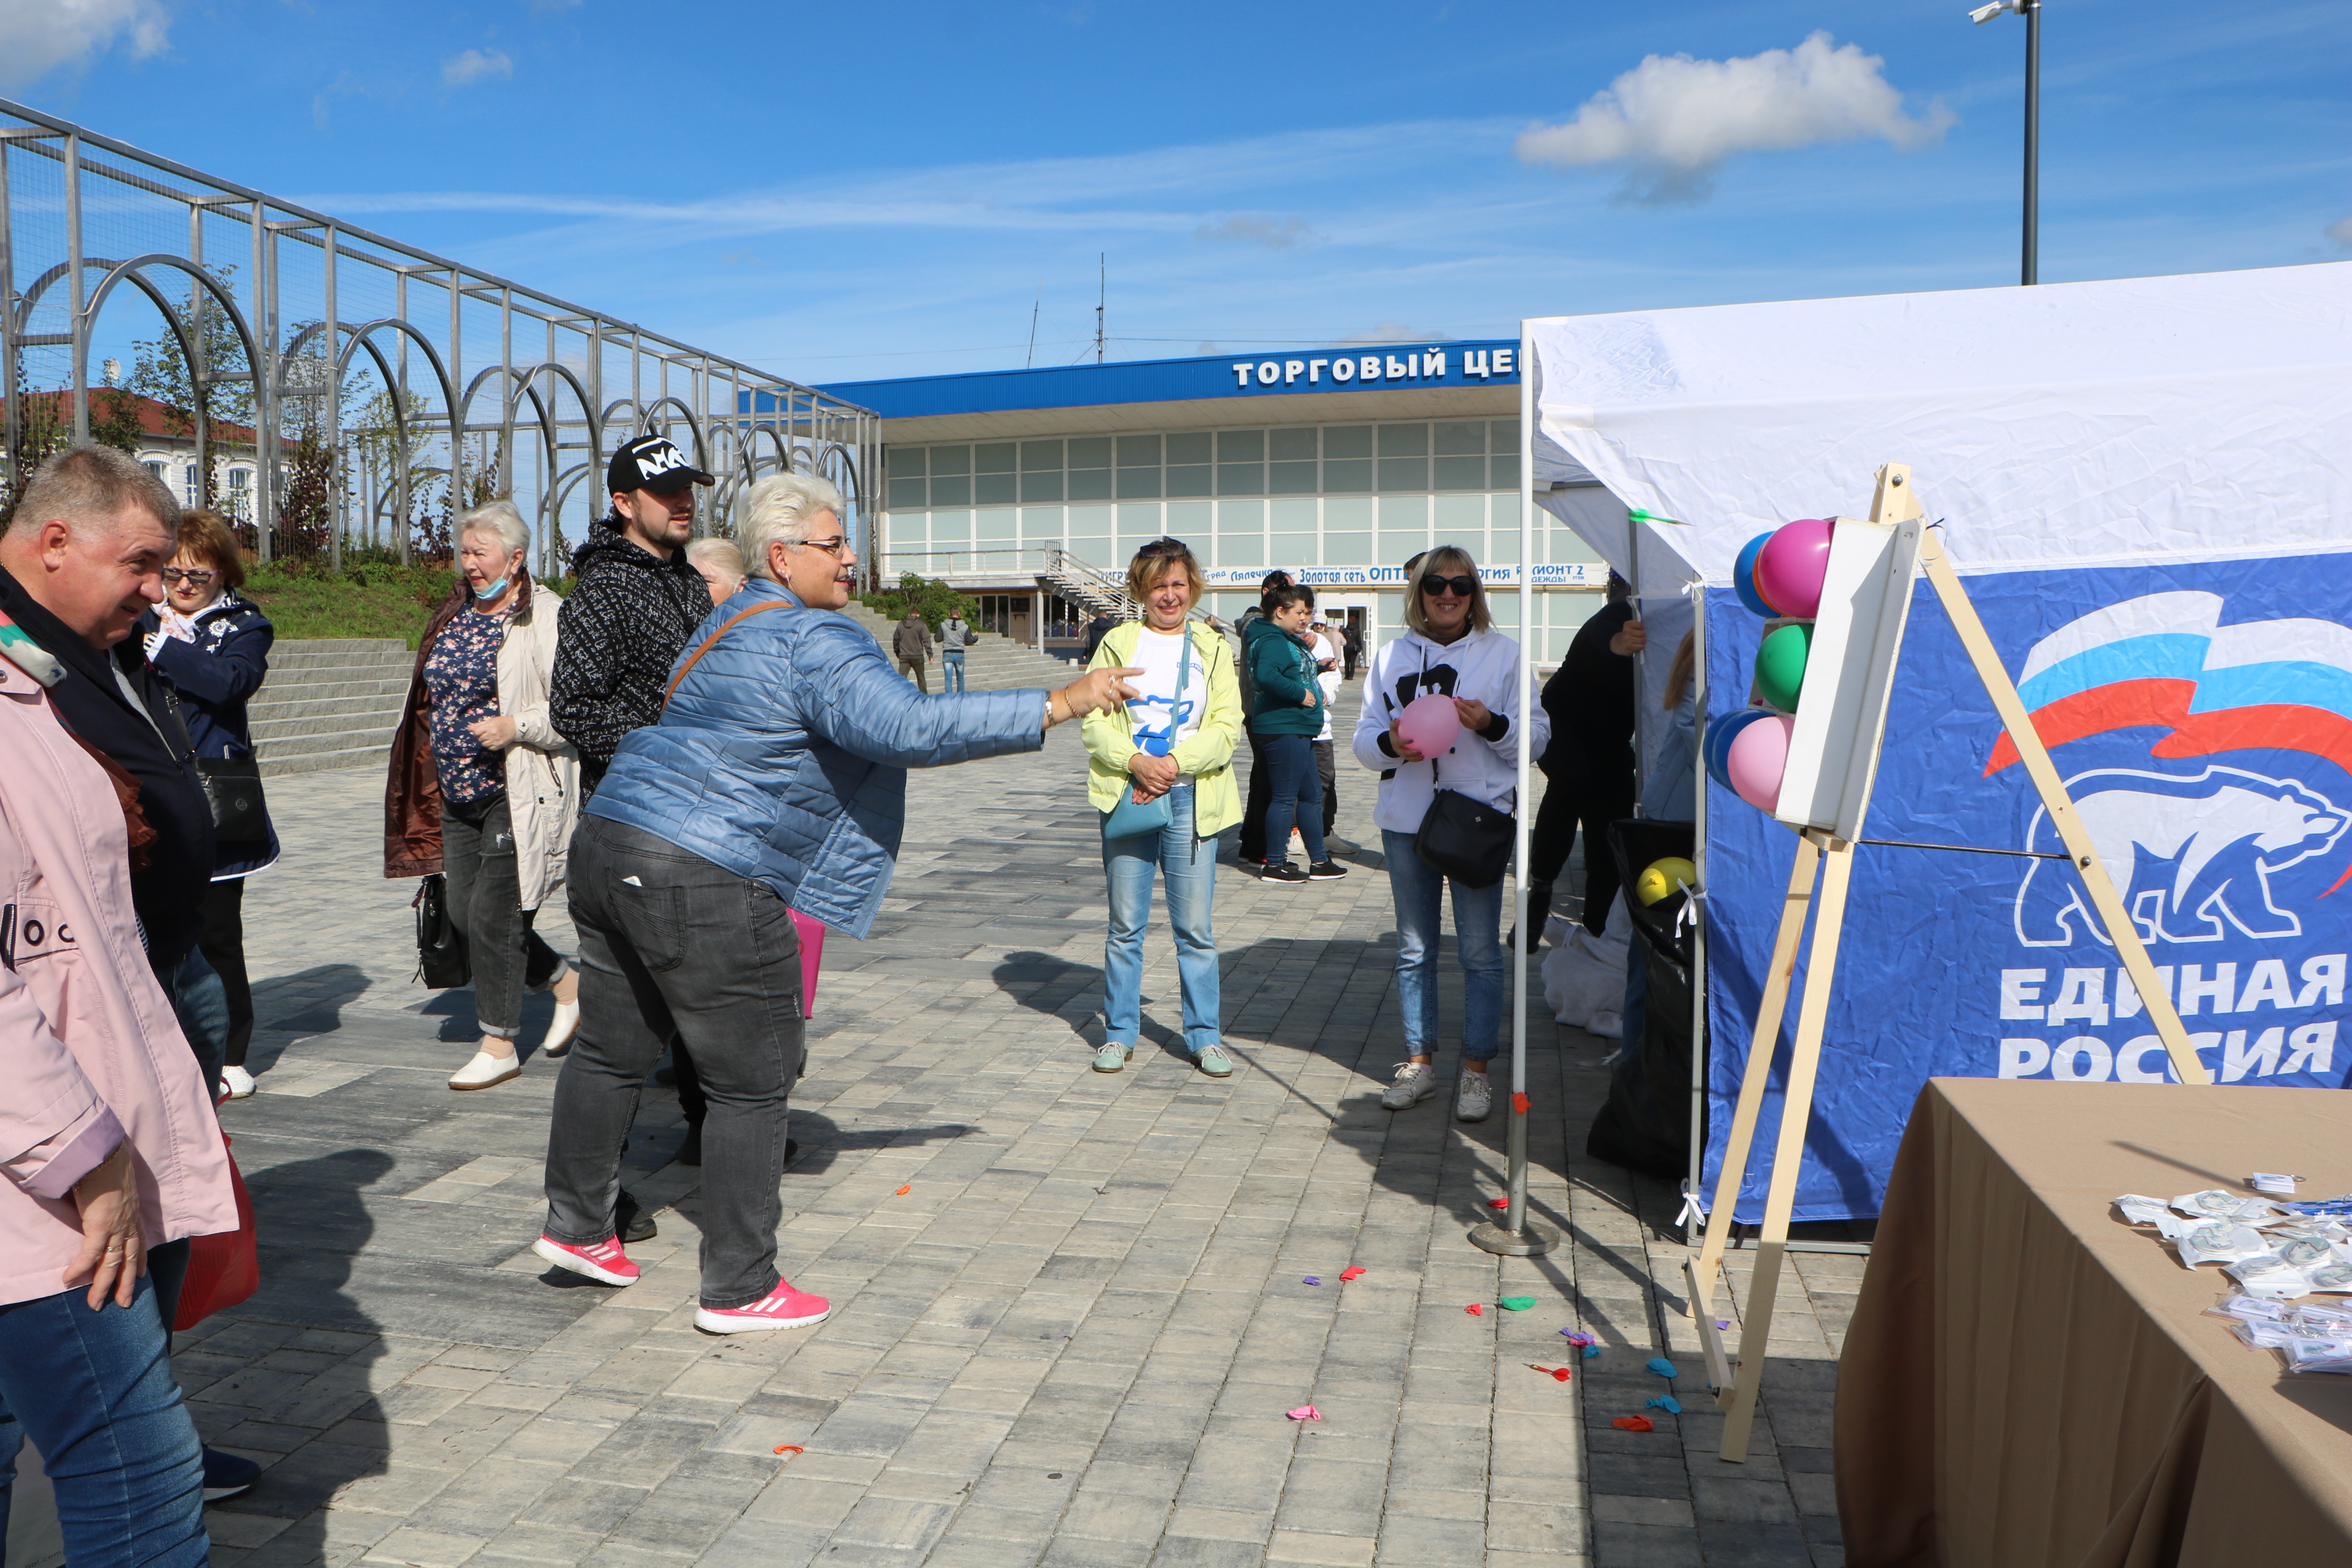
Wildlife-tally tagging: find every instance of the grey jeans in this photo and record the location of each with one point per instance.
(671, 944)
(477, 857)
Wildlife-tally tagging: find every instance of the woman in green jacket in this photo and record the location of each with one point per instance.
(1289, 715)
(1175, 739)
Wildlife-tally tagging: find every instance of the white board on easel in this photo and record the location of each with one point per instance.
(1849, 676)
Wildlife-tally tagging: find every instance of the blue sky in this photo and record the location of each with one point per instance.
(841, 191)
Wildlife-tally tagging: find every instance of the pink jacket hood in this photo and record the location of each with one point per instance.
(88, 1047)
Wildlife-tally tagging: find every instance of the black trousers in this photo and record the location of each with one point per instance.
(1327, 768)
(223, 945)
(1591, 798)
(1261, 796)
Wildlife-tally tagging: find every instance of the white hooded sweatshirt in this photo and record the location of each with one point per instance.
(1483, 666)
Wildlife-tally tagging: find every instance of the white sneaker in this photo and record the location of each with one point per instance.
(1415, 1081)
(235, 1083)
(485, 1071)
(1473, 1097)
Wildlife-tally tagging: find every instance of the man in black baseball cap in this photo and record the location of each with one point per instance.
(636, 601)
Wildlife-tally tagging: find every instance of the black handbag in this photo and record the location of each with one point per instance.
(1466, 839)
(442, 961)
(233, 785)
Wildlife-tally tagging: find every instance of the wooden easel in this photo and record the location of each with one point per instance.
(1820, 852)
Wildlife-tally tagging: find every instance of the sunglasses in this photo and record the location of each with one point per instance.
(192, 578)
(1163, 547)
(1464, 586)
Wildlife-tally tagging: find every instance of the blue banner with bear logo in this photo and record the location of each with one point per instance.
(2201, 716)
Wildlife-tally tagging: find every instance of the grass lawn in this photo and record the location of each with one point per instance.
(374, 600)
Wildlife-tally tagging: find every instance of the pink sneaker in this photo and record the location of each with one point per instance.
(604, 1262)
(781, 1308)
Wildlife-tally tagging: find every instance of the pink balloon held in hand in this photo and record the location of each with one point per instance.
(1430, 724)
(1790, 567)
(1758, 757)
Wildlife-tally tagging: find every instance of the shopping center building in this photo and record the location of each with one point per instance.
(1022, 485)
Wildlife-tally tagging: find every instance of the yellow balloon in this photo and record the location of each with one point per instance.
(1661, 877)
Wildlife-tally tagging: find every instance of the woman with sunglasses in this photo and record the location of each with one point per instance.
(213, 645)
(1175, 741)
(1451, 648)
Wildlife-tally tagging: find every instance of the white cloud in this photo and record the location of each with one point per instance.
(2341, 233)
(1670, 123)
(1383, 332)
(471, 65)
(1275, 234)
(36, 37)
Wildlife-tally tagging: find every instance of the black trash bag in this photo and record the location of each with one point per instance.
(1644, 1124)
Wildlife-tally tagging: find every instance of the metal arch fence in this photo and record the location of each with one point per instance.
(330, 346)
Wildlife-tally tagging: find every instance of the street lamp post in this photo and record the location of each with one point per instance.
(2031, 11)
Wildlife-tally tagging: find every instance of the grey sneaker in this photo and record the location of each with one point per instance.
(1415, 1081)
(1473, 1097)
(1212, 1060)
(1112, 1058)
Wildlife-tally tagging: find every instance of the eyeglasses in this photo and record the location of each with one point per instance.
(1462, 586)
(192, 578)
(1163, 547)
(830, 546)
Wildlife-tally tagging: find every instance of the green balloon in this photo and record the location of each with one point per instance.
(1780, 665)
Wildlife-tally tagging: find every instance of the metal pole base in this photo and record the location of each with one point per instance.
(1533, 1241)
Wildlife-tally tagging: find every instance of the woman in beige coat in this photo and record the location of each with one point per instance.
(484, 790)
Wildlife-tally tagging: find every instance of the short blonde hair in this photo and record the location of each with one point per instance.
(499, 518)
(1445, 561)
(716, 553)
(777, 510)
(1154, 561)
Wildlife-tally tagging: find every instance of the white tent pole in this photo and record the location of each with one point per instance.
(1516, 1238)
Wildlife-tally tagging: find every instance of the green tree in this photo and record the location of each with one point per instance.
(160, 371)
(932, 599)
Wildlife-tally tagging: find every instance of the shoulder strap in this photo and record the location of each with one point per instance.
(711, 641)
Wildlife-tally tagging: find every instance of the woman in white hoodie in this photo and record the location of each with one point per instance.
(1450, 649)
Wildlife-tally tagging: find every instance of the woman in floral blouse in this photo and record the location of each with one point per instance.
(508, 785)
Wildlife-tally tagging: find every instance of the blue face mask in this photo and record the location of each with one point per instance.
(484, 598)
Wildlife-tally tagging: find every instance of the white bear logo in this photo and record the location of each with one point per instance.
(2186, 854)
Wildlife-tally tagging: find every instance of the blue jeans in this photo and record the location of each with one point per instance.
(953, 680)
(200, 1003)
(1420, 890)
(1298, 798)
(1190, 868)
(94, 1392)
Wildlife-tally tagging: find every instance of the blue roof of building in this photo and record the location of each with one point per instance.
(1186, 379)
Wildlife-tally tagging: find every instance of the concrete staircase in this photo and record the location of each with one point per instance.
(330, 703)
(995, 663)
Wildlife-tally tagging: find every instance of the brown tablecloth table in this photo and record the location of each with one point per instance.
(2027, 1380)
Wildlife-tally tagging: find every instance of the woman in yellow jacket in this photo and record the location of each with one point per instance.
(1174, 743)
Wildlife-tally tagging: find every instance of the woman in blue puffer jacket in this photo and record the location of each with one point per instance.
(775, 782)
(213, 645)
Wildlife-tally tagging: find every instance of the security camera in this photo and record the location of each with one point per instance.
(1984, 14)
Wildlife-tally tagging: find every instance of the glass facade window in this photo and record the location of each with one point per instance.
(1327, 497)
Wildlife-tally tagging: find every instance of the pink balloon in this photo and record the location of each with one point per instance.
(1430, 724)
(1792, 565)
(1756, 758)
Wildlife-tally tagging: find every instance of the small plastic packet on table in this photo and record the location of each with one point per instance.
(2213, 1203)
(2318, 1355)
(2268, 1276)
(2219, 1241)
(2140, 1210)
(2334, 1208)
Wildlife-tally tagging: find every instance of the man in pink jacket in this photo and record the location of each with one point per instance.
(111, 1154)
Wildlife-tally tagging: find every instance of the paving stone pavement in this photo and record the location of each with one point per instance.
(1071, 1339)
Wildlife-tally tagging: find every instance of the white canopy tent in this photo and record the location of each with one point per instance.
(2200, 418)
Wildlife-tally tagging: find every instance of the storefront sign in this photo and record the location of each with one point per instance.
(1433, 367)
(1563, 574)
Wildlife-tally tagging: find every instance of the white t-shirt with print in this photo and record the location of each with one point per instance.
(1160, 655)
(1327, 680)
